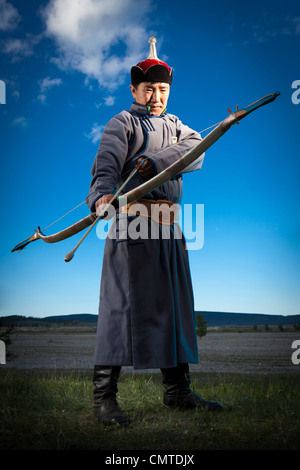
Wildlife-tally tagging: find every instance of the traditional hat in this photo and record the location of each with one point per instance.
(152, 69)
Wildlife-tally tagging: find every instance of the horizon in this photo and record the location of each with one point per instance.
(196, 311)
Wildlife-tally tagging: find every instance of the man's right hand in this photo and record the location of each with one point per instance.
(101, 203)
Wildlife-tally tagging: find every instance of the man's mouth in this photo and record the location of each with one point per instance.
(155, 107)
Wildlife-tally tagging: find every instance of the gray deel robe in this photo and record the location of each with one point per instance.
(146, 310)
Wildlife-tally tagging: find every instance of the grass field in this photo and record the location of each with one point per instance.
(54, 411)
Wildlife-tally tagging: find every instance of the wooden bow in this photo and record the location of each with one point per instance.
(176, 168)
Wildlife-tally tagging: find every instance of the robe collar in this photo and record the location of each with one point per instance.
(143, 109)
(140, 108)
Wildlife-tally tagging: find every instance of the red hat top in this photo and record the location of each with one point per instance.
(152, 69)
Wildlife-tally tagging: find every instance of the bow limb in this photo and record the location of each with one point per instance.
(88, 221)
(178, 166)
(59, 236)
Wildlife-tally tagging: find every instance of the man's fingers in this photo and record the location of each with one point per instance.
(101, 204)
(146, 170)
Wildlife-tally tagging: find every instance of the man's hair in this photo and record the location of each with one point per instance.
(135, 85)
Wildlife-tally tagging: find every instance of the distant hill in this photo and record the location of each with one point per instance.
(76, 319)
(212, 319)
(248, 319)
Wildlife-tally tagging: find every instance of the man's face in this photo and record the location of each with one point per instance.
(154, 95)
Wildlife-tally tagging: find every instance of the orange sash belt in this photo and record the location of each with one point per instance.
(161, 211)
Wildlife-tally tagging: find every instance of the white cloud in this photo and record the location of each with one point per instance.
(42, 98)
(91, 34)
(297, 23)
(109, 101)
(95, 133)
(16, 94)
(21, 122)
(45, 85)
(9, 16)
(19, 48)
(48, 83)
(268, 28)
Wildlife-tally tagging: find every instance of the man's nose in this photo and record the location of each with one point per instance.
(155, 96)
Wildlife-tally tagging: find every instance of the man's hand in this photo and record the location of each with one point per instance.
(146, 171)
(101, 203)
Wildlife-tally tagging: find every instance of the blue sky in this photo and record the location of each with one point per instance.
(66, 67)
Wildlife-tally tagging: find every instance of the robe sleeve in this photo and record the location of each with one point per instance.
(110, 159)
(186, 140)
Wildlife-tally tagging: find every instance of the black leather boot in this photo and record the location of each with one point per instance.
(106, 408)
(178, 394)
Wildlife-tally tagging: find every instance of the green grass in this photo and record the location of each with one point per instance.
(54, 411)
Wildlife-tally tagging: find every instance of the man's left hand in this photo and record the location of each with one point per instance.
(146, 171)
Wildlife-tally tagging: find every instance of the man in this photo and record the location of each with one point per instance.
(146, 310)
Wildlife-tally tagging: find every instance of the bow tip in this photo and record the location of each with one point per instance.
(69, 256)
(20, 246)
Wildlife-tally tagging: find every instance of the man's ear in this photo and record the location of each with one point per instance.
(133, 91)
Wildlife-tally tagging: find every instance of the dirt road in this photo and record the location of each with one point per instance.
(257, 352)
